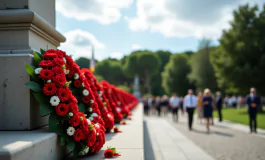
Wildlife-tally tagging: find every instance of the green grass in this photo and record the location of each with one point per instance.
(241, 116)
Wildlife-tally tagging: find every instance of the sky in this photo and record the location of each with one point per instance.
(118, 27)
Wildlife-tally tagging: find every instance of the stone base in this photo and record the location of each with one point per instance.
(30, 145)
(18, 108)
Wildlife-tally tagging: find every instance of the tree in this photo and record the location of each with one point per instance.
(83, 62)
(239, 61)
(144, 64)
(202, 73)
(174, 77)
(156, 84)
(110, 70)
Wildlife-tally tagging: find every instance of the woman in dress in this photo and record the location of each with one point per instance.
(200, 106)
(207, 108)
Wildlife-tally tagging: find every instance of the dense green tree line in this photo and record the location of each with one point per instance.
(233, 66)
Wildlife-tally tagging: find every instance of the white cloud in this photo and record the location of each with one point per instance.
(103, 11)
(184, 18)
(78, 43)
(136, 47)
(117, 55)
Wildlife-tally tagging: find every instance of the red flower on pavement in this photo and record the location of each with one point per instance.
(108, 153)
(123, 122)
(45, 63)
(59, 80)
(111, 152)
(49, 89)
(45, 74)
(116, 130)
(62, 109)
(77, 83)
(79, 135)
(63, 94)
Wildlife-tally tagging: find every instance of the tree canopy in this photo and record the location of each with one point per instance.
(175, 75)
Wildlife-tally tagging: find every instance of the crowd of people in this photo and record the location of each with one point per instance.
(205, 103)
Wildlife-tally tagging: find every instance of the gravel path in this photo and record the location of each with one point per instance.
(223, 143)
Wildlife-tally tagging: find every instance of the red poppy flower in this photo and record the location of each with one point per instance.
(58, 62)
(62, 109)
(92, 138)
(73, 107)
(45, 74)
(108, 153)
(49, 89)
(59, 80)
(60, 53)
(50, 54)
(75, 120)
(57, 70)
(45, 63)
(86, 99)
(77, 83)
(63, 94)
(79, 135)
(116, 130)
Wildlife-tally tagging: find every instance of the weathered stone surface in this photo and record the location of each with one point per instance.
(30, 145)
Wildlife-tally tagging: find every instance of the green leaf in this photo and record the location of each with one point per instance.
(71, 144)
(113, 149)
(62, 141)
(82, 107)
(37, 58)
(41, 98)
(45, 109)
(34, 86)
(42, 51)
(30, 70)
(54, 124)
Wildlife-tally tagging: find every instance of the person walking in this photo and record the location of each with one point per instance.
(174, 104)
(181, 99)
(189, 104)
(146, 107)
(164, 104)
(200, 106)
(219, 105)
(207, 108)
(158, 105)
(253, 102)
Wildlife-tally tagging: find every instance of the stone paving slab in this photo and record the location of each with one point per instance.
(169, 144)
(129, 143)
(225, 141)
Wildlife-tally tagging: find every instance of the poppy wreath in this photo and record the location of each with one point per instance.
(82, 91)
(112, 103)
(89, 101)
(51, 89)
(105, 110)
(120, 101)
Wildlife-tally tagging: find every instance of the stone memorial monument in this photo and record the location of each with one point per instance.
(25, 26)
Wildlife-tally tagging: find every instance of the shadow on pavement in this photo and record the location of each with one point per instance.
(213, 132)
(148, 149)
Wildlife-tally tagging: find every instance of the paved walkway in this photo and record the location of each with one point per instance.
(164, 142)
(227, 141)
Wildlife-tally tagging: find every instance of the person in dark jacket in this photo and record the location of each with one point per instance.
(253, 102)
(219, 105)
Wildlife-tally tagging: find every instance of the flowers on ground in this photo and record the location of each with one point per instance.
(111, 152)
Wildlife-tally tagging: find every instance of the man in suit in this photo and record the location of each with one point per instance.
(189, 104)
(253, 102)
(219, 105)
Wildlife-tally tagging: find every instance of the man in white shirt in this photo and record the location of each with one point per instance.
(174, 104)
(189, 104)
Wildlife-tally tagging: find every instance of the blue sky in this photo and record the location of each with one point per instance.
(117, 27)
